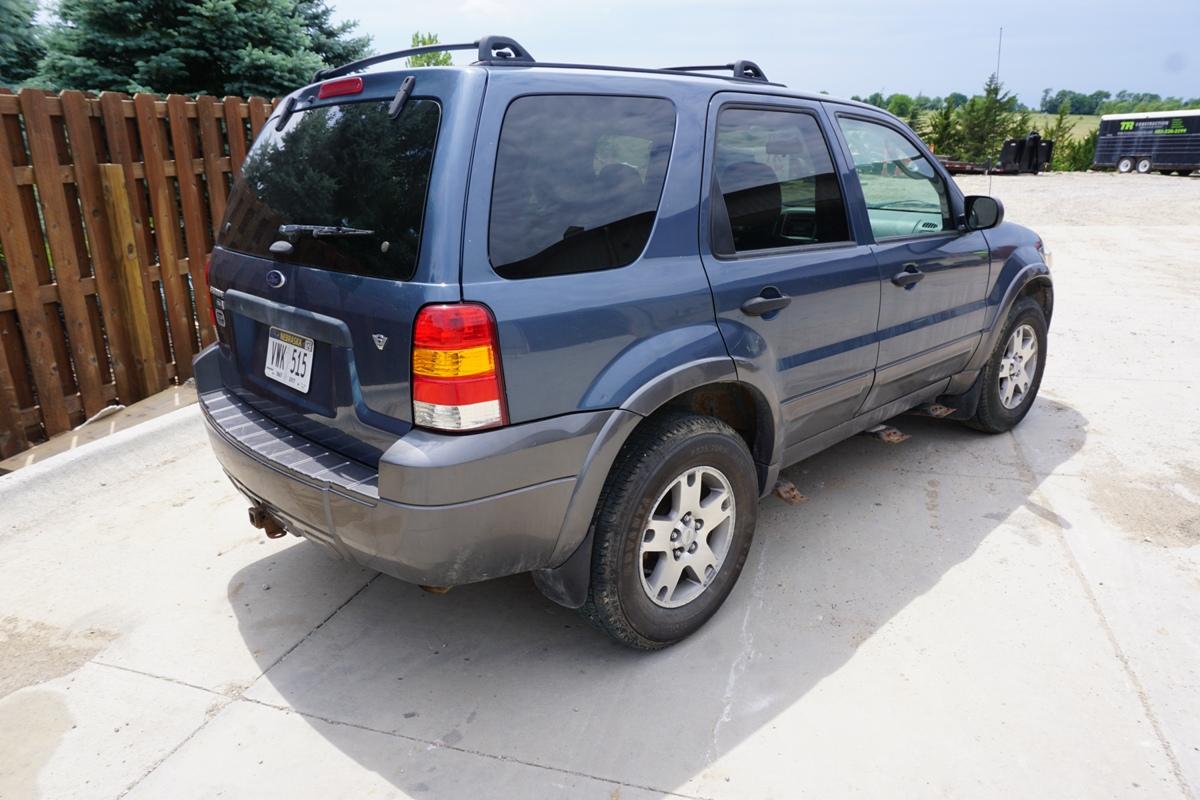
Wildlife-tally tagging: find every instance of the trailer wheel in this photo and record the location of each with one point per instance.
(1124, 165)
(1143, 166)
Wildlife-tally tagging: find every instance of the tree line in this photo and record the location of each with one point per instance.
(975, 128)
(1123, 102)
(1099, 102)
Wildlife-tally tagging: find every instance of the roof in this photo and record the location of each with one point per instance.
(721, 83)
(1183, 112)
(502, 52)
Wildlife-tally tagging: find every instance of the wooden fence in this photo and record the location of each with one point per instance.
(108, 209)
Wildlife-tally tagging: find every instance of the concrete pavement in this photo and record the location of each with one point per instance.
(955, 616)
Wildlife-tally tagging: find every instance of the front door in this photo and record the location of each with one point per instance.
(934, 278)
(797, 297)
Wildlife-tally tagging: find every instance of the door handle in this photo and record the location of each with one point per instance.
(770, 299)
(909, 277)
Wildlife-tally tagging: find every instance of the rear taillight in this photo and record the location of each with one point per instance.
(340, 87)
(456, 380)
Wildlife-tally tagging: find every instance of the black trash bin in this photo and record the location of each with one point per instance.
(1030, 163)
(1010, 155)
(1046, 153)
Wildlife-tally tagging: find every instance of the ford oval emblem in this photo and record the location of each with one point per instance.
(275, 279)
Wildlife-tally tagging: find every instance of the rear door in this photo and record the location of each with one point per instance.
(934, 277)
(344, 222)
(797, 296)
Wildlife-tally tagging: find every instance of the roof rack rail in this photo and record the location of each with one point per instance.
(745, 70)
(491, 50)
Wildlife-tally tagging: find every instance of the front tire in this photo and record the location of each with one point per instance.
(1013, 373)
(672, 530)
(1144, 166)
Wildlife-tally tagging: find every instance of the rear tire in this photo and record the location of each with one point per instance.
(1013, 373)
(659, 569)
(1124, 165)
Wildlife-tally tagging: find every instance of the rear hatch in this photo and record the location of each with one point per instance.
(341, 226)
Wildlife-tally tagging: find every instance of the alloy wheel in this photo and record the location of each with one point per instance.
(687, 536)
(1018, 366)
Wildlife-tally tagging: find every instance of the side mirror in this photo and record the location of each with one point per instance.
(983, 212)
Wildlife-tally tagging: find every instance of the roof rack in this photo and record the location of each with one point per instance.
(491, 50)
(503, 51)
(744, 70)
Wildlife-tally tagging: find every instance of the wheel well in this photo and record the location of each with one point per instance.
(740, 407)
(1043, 293)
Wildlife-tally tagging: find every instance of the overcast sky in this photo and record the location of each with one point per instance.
(846, 46)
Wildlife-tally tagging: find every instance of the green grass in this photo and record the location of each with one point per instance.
(1083, 124)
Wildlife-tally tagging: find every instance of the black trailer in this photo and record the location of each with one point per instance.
(1166, 141)
(1027, 156)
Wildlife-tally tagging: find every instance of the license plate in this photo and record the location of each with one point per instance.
(289, 359)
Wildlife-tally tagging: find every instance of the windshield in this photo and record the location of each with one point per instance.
(347, 183)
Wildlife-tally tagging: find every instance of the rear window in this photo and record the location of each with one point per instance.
(577, 183)
(347, 167)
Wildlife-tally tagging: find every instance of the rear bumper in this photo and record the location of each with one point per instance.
(440, 510)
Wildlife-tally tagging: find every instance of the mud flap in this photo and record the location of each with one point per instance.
(966, 404)
(568, 583)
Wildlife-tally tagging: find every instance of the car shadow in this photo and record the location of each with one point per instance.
(496, 669)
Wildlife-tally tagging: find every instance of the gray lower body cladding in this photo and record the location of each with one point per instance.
(440, 510)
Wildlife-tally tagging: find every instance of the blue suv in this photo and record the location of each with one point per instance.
(573, 320)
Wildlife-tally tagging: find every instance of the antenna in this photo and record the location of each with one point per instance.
(999, 49)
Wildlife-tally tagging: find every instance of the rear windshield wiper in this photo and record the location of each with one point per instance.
(320, 231)
(396, 108)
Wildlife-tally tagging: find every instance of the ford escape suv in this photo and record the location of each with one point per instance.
(573, 320)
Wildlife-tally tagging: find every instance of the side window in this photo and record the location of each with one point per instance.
(577, 183)
(777, 183)
(903, 193)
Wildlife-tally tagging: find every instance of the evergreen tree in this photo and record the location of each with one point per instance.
(944, 135)
(20, 48)
(1059, 132)
(442, 59)
(1019, 124)
(1076, 155)
(986, 121)
(333, 42)
(220, 47)
(916, 121)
